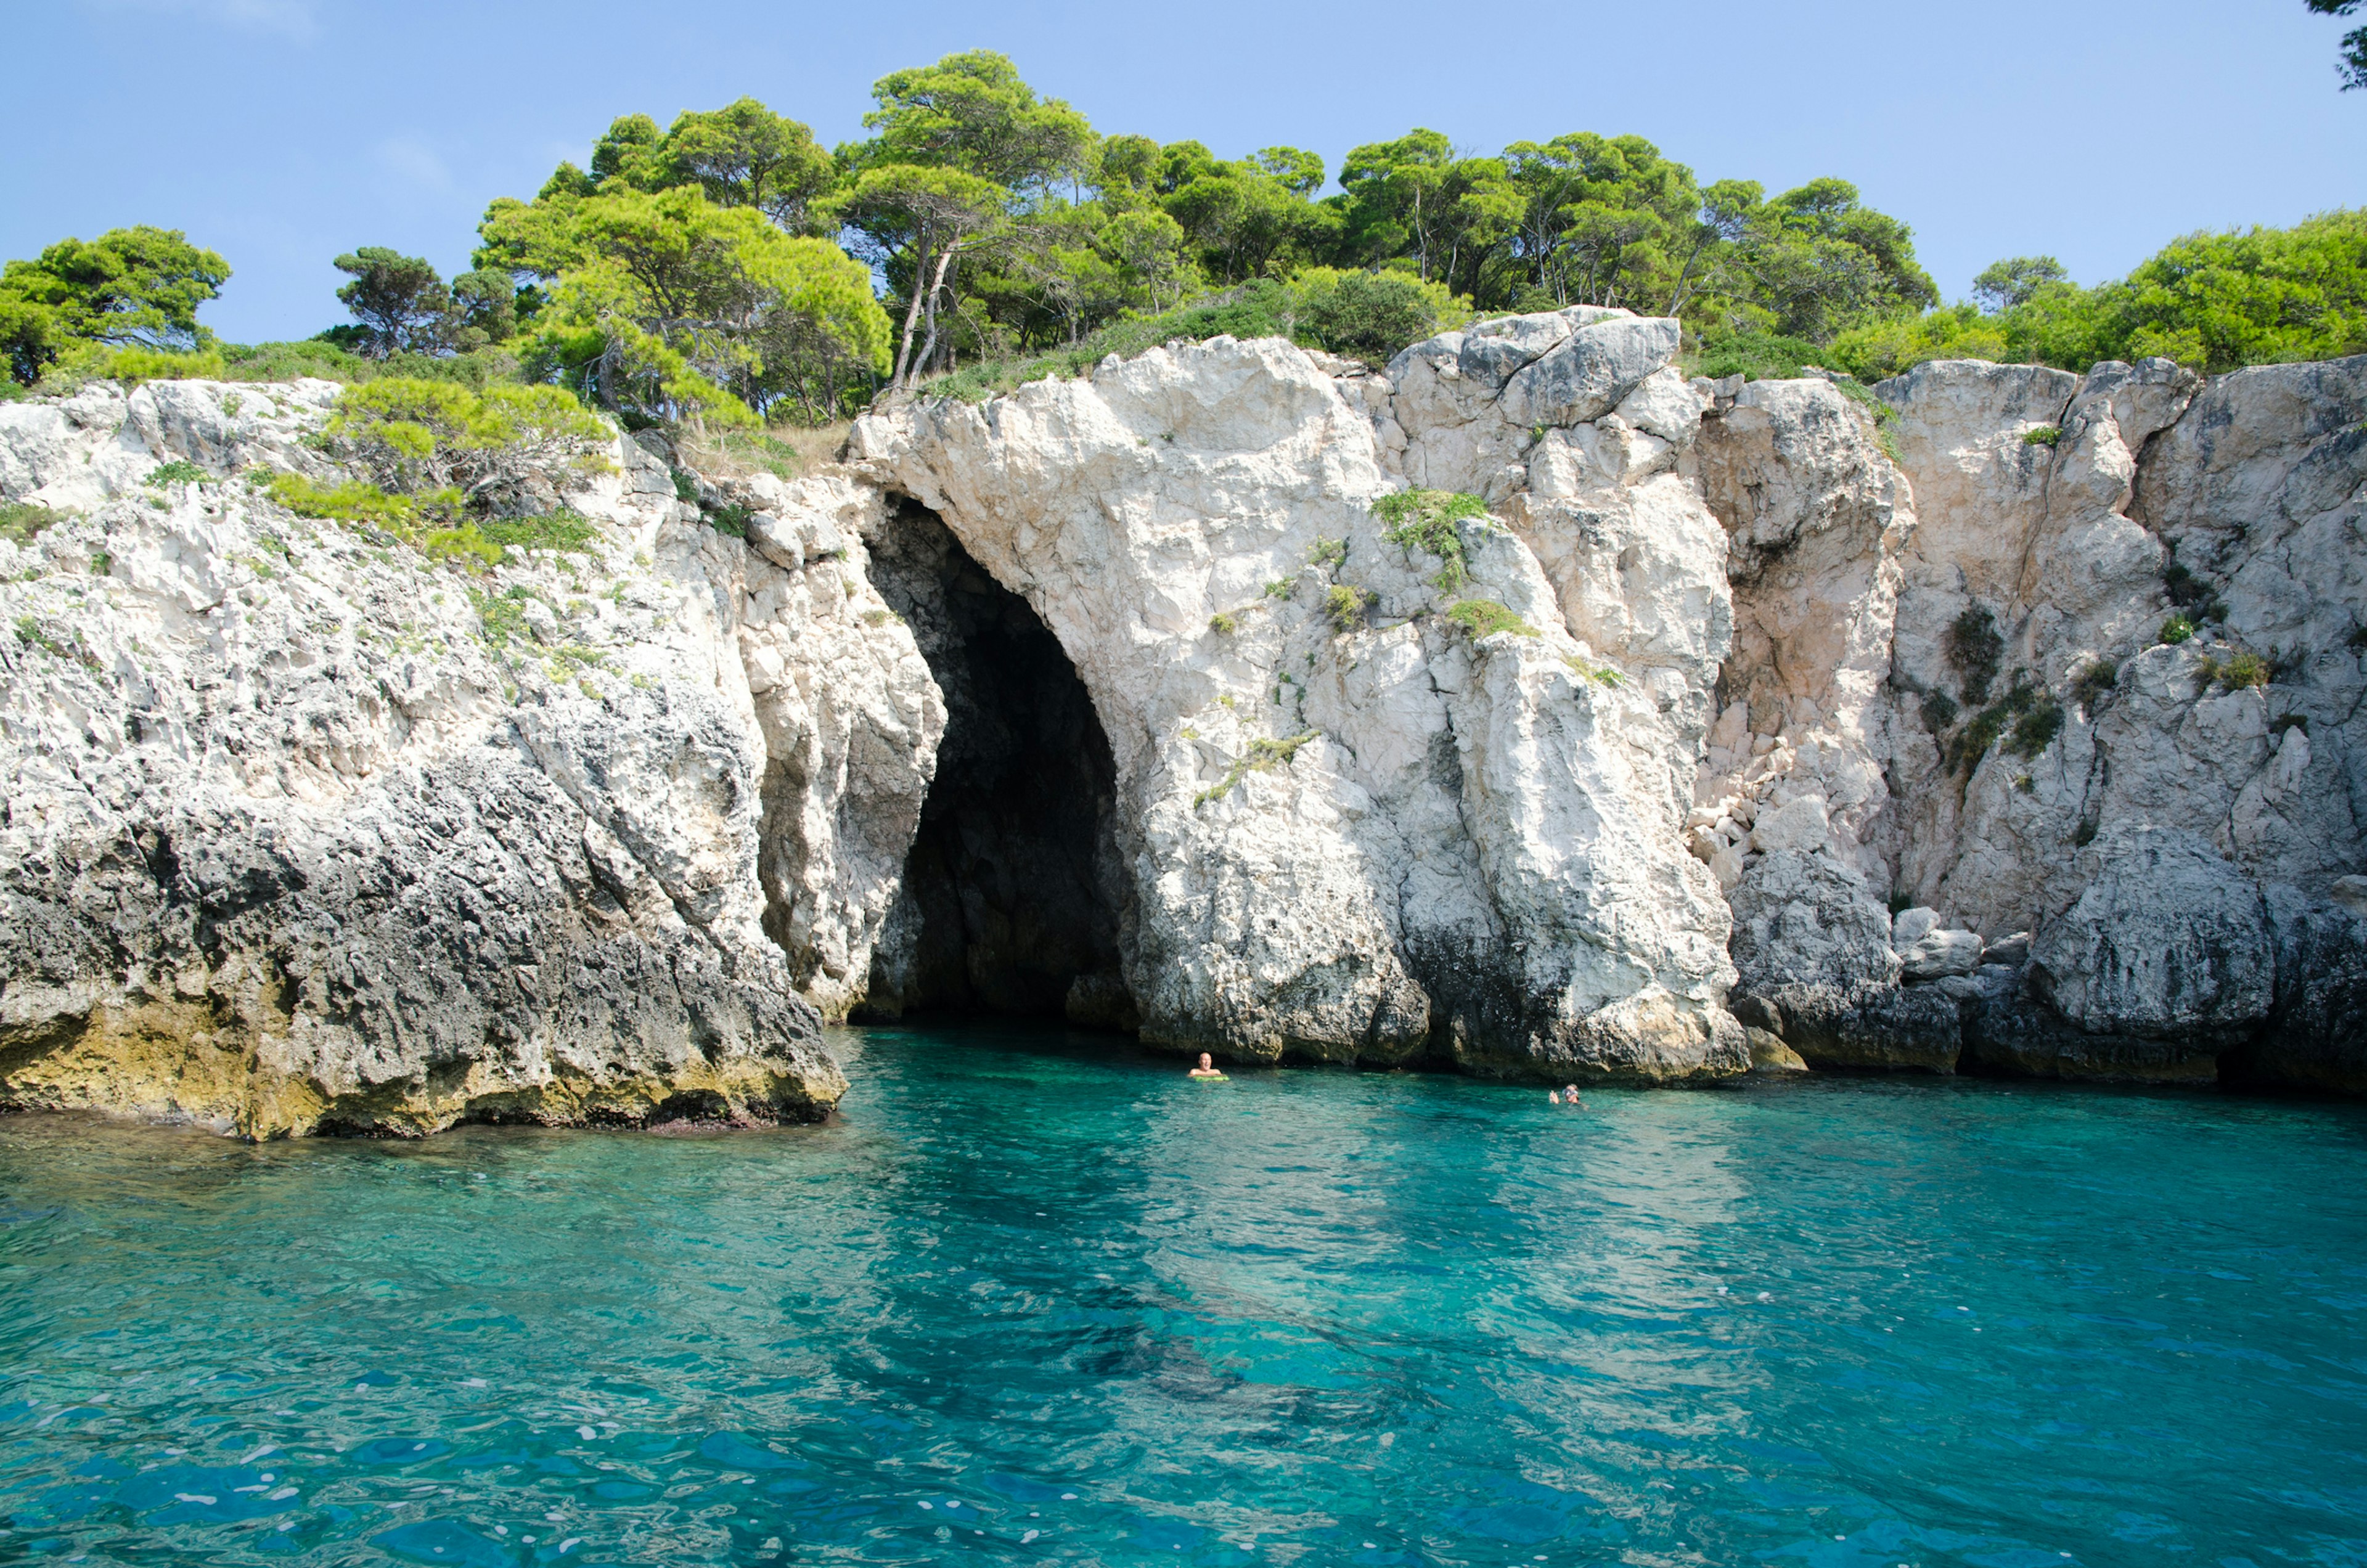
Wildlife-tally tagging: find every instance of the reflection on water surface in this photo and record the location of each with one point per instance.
(1029, 1301)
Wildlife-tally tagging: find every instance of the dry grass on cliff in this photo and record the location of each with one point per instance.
(788, 451)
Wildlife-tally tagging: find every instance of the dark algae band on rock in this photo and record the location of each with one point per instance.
(1788, 715)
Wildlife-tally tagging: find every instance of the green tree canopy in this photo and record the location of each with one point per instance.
(666, 306)
(1604, 220)
(2002, 284)
(137, 285)
(400, 302)
(2352, 66)
(745, 156)
(1814, 261)
(959, 148)
(2258, 297)
(402, 306)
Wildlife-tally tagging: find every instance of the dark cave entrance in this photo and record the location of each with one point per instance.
(1014, 894)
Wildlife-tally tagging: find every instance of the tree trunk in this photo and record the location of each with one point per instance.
(935, 287)
(912, 313)
(1677, 296)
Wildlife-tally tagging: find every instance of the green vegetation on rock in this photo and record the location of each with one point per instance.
(725, 271)
(1346, 606)
(1974, 647)
(1264, 753)
(2027, 718)
(23, 520)
(1483, 619)
(417, 435)
(439, 456)
(1431, 521)
(2236, 673)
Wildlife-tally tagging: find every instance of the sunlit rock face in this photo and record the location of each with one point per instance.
(2115, 620)
(1349, 826)
(2004, 720)
(307, 832)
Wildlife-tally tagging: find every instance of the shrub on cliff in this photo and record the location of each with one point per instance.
(1885, 348)
(325, 361)
(437, 523)
(422, 435)
(1368, 315)
(127, 365)
(1758, 356)
(2213, 301)
(439, 456)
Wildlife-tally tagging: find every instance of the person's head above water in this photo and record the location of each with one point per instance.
(1205, 1060)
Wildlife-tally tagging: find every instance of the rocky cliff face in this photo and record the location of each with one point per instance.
(1748, 719)
(2079, 694)
(1352, 827)
(304, 832)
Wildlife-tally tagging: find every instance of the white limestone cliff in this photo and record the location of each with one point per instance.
(1373, 836)
(306, 831)
(309, 831)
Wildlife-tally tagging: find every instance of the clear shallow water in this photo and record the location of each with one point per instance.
(1297, 1318)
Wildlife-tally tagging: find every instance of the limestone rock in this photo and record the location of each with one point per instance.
(2235, 500)
(1936, 953)
(1770, 1054)
(2313, 1039)
(307, 833)
(1815, 516)
(1390, 841)
(2167, 939)
(2011, 950)
(1871, 1025)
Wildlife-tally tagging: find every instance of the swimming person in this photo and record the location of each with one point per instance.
(1569, 1096)
(1207, 1069)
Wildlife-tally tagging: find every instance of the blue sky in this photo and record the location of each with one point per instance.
(280, 132)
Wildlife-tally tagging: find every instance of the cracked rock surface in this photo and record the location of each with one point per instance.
(1354, 829)
(306, 833)
(2004, 720)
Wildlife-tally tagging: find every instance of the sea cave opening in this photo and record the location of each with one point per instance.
(1014, 892)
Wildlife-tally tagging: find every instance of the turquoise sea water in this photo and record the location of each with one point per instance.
(1027, 1301)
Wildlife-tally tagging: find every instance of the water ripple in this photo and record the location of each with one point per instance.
(1031, 1300)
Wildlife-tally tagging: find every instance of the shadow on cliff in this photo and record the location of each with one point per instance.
(1014, 892)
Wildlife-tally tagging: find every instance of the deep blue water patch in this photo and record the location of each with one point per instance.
(1033, 1300)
